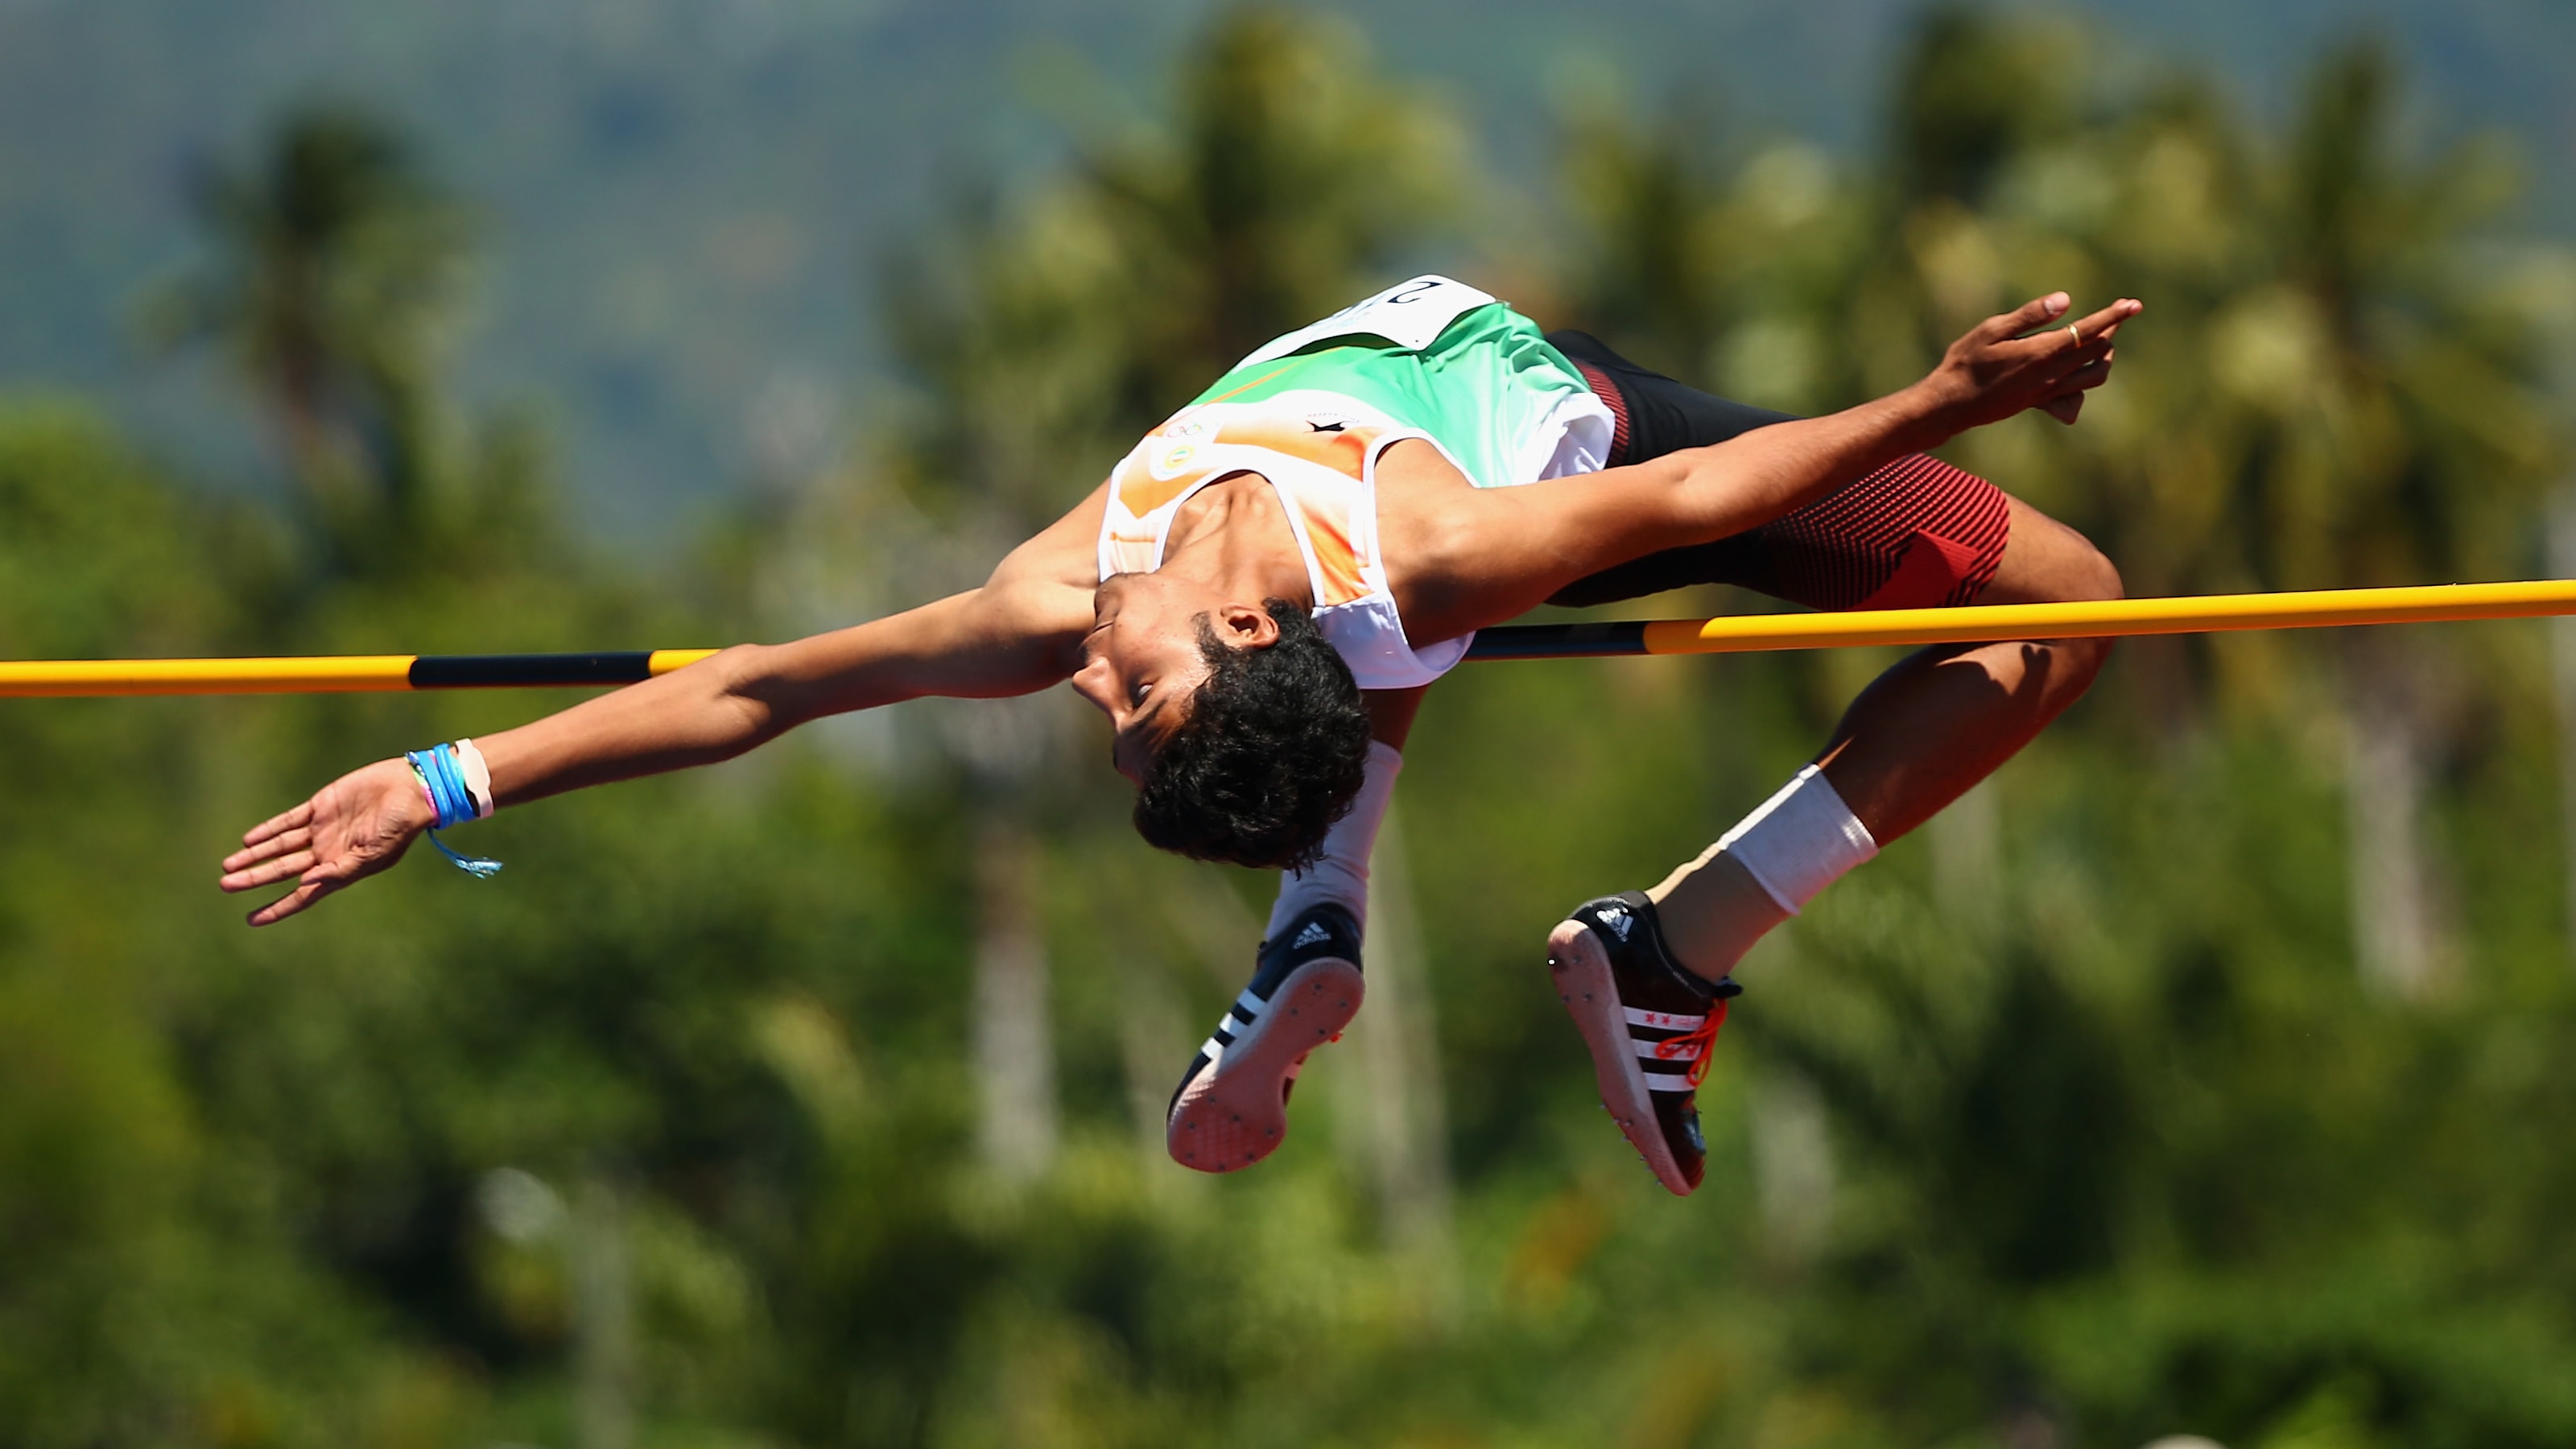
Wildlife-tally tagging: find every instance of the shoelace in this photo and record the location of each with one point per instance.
(1704, 1036)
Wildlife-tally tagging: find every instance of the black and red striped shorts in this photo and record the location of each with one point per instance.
(1917, 533)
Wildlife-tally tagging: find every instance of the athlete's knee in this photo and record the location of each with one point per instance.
(2046, 562)
(2050, 563)
(2089, 573)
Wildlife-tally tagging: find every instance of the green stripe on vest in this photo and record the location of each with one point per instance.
(1479, 389)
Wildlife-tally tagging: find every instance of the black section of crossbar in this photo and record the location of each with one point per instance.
(631, 666)
(527, 671)
(1559, 641)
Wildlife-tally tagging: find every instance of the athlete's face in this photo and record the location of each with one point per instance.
(1143, 662)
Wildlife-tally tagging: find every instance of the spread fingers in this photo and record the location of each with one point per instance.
(2107, 321)
(267, 872)
(289, 903)
(269, 847)
(295, 819)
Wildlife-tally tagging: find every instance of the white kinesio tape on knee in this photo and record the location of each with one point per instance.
(1801, 840)
(1343, 873)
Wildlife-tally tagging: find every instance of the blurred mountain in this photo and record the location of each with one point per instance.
(683, 206)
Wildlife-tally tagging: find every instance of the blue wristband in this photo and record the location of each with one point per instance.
(438, 774)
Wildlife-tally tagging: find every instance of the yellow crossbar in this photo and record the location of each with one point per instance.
(1729, 634)
(2318, 609)
(334, 674)
(330, 674)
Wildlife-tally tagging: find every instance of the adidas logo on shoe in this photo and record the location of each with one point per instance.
(1313, 935)
(1648, 1024)
(1618, 920)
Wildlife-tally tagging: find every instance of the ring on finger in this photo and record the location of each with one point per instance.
(2071, 332)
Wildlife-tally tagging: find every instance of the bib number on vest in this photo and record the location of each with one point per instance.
(1409, 314)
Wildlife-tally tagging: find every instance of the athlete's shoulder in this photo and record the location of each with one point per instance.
(1065, 552)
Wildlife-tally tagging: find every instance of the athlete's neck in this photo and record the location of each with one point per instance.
(1234, 535)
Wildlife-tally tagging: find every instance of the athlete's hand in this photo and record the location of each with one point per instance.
(2030, 357)
(353, 827)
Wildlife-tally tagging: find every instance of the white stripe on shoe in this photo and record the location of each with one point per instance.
(1232, 1113)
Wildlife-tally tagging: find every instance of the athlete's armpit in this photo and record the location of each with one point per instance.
(1065, 552)
(1391, 713)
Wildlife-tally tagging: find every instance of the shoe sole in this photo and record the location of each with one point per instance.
(1236, 1113)
(1581, 966)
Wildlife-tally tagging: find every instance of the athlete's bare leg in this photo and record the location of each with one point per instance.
(1920, 735)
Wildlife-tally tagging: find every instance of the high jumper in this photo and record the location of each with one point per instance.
(1261, 590)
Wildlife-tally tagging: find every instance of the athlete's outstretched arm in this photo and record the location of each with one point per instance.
(1017, 634)
(981, 644)
(1524, 544)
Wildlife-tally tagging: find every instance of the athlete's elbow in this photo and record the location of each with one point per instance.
(1709, 493)
(746, 692)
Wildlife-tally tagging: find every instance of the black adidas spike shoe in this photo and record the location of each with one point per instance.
(1232, 1107)
(1650, 1025)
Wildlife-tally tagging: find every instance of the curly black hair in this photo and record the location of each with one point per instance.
(1274, 749)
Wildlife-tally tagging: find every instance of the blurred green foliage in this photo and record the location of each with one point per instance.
(2083, 1117)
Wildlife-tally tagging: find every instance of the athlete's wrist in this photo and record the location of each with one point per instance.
(1927, 414)
(410, 802)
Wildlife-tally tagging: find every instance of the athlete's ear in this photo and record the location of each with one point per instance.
(1242, 626)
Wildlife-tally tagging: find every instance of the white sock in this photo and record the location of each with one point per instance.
(1342, 874)
(1800, 841)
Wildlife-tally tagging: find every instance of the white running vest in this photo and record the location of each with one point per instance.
(1318, 447)
(1318, 452)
